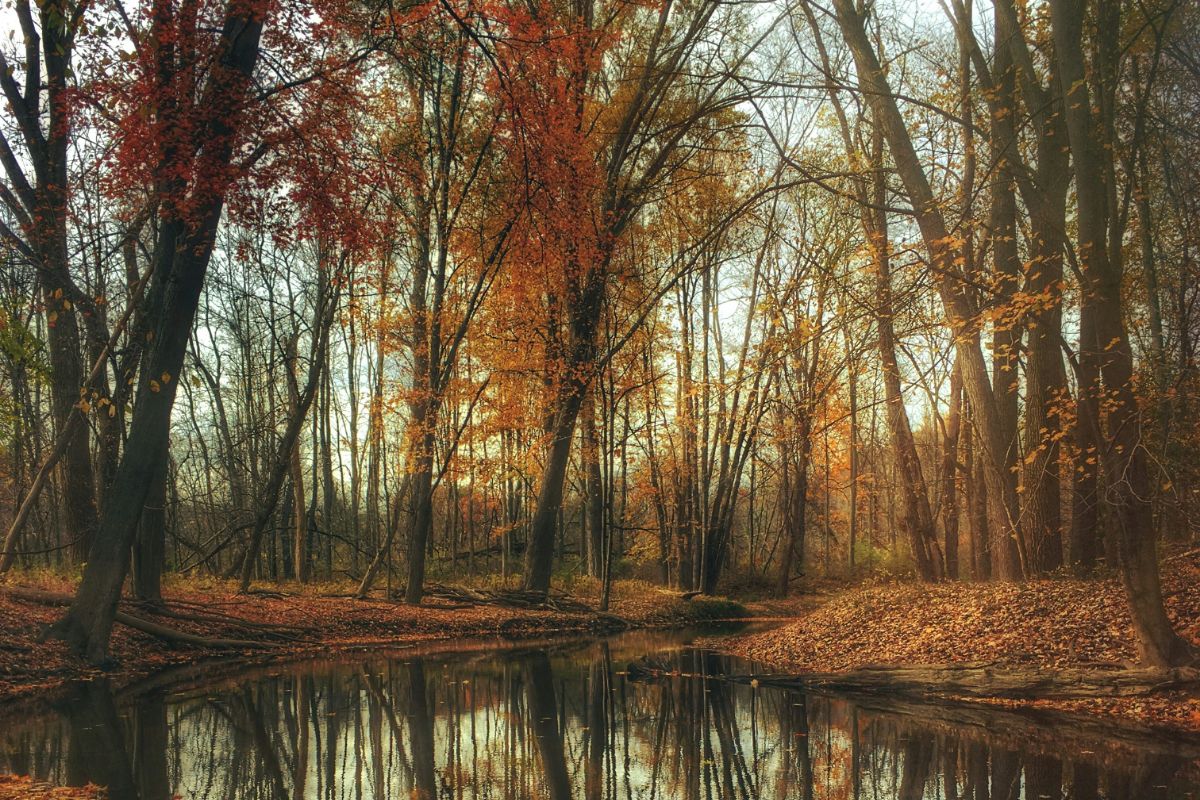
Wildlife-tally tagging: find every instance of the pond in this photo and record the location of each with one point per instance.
(644, 715)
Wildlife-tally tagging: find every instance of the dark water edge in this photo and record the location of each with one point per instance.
(558, 720)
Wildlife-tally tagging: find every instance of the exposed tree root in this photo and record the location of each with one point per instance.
(173, 635)
(144, 625)
(289, 633)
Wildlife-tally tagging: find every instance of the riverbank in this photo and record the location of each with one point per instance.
(210, 621)
(1046, 630)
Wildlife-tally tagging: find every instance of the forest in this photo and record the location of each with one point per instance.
(602, 307)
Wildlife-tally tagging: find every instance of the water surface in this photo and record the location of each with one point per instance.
(562, 721)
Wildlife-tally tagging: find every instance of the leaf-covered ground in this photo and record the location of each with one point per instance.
(1047, 623)
(30, 667)
(21, 787)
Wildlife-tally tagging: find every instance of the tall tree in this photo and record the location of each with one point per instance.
(944, 252)
(1124, 458)
(41, 209)
(196, 140)
(677, 91)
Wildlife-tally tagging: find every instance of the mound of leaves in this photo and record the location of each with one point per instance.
(1050, 623)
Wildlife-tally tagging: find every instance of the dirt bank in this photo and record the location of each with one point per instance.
(284, 624)
(1050, 625)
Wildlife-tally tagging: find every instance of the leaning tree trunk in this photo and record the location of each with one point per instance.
(182, 253)
(88, 622)
(576, 374)
(149, 550)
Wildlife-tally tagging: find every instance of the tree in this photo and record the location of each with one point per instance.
(40, 207)
(195, 146)
(608, 174)
(1125, 458)
(945, 260)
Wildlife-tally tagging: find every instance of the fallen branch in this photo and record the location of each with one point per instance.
(1092, 738)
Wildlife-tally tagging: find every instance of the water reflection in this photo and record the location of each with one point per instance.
(562, 724)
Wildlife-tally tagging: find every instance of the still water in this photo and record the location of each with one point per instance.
(566, 720)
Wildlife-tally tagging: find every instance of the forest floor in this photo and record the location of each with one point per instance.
(1052, 625)
(275, 622)
(21, 787)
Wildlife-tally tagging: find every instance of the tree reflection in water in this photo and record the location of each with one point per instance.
(560, 724)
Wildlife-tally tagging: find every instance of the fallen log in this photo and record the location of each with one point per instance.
(141, 624)
(990, 681)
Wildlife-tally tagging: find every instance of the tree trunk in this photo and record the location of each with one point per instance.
(1085, 497)
(793, 498)
(1008, 556)
(299, 526)
(574, 378)
(1045, 380)
(150, 547)
(42, 210)
(949, 495)
(422, 505)
(1125, 462)
(981, 558)
(917, 517)
(595, 492)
